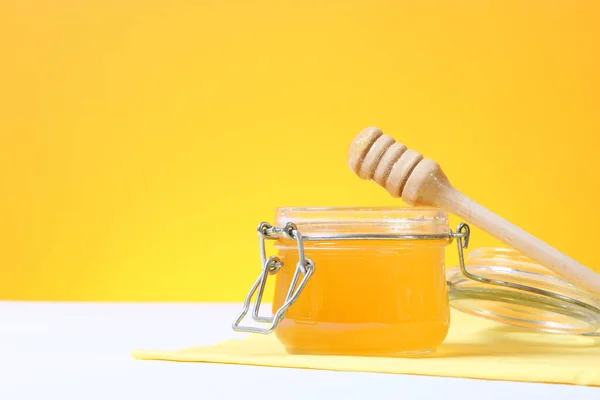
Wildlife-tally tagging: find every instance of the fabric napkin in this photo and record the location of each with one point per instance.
(474, 348)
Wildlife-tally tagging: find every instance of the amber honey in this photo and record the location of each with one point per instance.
(365, 297)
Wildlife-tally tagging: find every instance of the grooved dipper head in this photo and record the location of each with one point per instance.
(375, 156)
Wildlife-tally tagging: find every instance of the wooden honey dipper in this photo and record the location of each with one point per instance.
(420, 181)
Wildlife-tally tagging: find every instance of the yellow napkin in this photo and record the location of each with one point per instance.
(474, 348)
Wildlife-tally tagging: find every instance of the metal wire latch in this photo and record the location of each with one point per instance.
(305, 267)
(270, 266)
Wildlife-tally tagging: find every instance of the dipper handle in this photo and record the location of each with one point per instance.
(420, 181)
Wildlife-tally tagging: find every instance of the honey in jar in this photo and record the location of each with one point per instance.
(378, 285)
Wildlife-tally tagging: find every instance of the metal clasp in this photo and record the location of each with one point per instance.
(305, 267)
(270, 266)
(463, 234)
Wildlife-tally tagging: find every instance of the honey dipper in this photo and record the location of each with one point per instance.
(420, 181)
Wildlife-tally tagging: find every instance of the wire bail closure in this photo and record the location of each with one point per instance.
(305, 267)
(270, 266)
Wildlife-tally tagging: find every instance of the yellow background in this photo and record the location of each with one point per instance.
(142, 142)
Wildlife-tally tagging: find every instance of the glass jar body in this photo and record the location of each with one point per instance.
(365, 297)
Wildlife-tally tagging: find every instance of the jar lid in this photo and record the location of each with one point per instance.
(503, 285)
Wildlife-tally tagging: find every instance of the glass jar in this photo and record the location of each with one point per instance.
(374, 280)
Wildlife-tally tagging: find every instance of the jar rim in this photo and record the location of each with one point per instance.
(365, 220)
(378, 209)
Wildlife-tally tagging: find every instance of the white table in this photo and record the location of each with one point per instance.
(82, 351)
